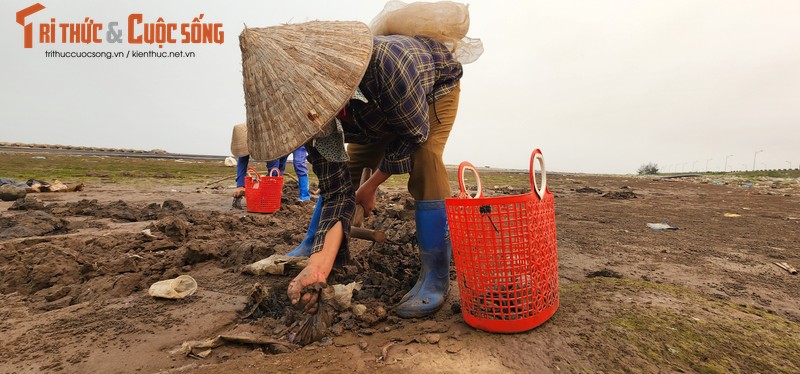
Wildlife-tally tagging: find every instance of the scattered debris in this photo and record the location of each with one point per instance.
(588, 190)
(385, 352)
(148, 234)
(621, 195)
(661, 226)
(787, 267)
(605, 273)
(681, 176)
(177, 288)
(275, 265)
(255, 301)
(201, 349)
(36, 185)
(732, 215)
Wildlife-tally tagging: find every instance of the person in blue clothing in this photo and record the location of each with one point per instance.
(239, 150)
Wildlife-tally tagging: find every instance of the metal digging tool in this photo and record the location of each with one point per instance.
(358, 232)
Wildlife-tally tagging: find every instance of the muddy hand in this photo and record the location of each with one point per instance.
(304, 290)
(365, 196)
(239, 192)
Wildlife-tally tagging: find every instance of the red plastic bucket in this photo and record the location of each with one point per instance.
(505, 253)
(263, 194)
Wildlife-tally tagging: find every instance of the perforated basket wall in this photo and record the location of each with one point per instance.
(263, 194)
(506, 258)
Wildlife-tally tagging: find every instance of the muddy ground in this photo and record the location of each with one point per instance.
(707, 297)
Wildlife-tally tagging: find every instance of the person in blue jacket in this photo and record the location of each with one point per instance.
(239, 150)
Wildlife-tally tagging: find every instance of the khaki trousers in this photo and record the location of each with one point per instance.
(428, 179)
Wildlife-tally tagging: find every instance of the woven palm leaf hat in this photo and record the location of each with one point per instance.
(239, 140)
(296, 78)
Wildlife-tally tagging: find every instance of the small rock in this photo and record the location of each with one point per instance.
(337, 329)
(359, 309)
(433, 326)
(326, 341)
(363, 345)
(455, 348)
(367, 331)
(433, 338)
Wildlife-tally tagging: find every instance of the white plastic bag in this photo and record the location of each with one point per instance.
(444, 21)
(275, 265)
(177, 288)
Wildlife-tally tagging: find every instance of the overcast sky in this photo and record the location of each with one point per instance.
(601, 86)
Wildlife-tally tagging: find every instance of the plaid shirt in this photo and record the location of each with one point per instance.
(404, 75)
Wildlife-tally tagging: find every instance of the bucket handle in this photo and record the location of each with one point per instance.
(276, 170)
(253, 171)
(464, 166)
(539, 191)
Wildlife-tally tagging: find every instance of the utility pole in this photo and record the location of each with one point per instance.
(790, 164)
(693, 164)
(754, 158)
(707, 164)
(726, 163)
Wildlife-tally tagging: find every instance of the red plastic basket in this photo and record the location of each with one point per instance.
(506, 255)
(263, 194)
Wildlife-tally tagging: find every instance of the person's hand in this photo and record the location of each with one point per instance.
(239, 192)
(304, 290)
(316, 272)
(365, 196)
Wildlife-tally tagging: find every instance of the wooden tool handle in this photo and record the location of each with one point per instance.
(367, 234)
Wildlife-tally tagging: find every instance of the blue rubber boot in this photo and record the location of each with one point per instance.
(430, 292)
(304, 249)
(302, 180)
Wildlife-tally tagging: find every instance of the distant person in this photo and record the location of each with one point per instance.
(239, 150)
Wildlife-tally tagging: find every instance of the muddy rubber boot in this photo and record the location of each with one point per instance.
(304, 249)
(430, 292)
(302, 180)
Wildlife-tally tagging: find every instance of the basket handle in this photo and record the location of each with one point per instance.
(539, 191)
(464, 166)
(276, 170)
(251, 170)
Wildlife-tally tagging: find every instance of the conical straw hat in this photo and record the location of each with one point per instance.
(239, 140)
(296, 78)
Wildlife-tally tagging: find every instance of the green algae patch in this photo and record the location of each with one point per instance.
(639, 326)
